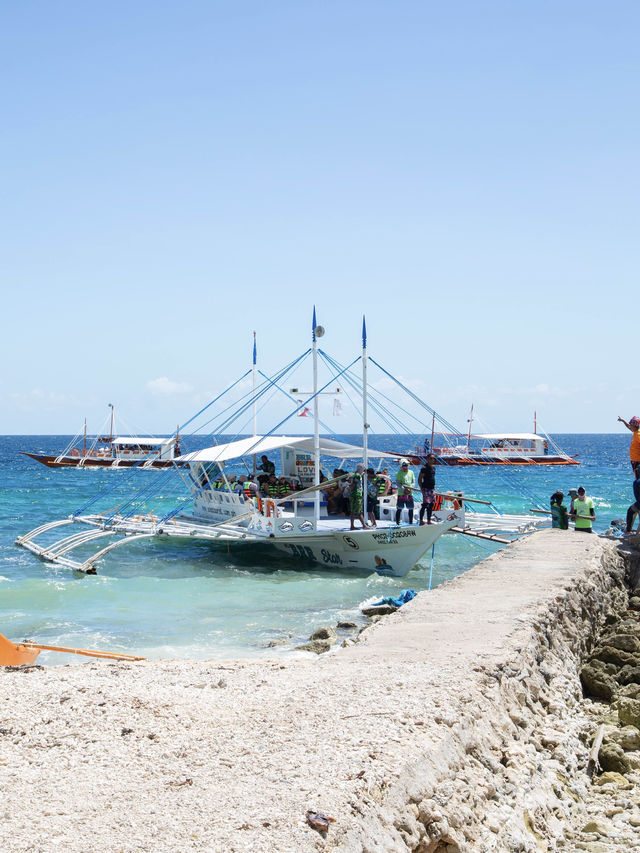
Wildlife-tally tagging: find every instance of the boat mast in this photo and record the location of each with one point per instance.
(469, 433)
(535, 423)
(84, 443)
(255, 402)
(365, 425)
(111, 428)
(317, 332)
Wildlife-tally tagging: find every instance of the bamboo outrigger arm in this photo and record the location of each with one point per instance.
(21, 654)
(88, 566)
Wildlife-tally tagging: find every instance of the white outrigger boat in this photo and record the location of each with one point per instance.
(289, 525)
(297, 525)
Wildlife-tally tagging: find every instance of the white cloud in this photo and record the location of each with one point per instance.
(166, 386)
(39, 400)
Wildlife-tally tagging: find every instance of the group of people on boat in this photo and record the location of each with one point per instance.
(344, 492)
(269, 487)
(345, 496)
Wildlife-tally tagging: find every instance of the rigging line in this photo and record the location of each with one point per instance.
(399, 427)
(138, 498)
(373, 392)
(264, 388)
(417, 399)
(534, 498)
(294, 400)
(70, 446)
(163, 512)
(380, 407)
(104, 492)
(250, 393)
(142, 496)
(357, 387)
(146, 494)
(306, 402)
(215, 400)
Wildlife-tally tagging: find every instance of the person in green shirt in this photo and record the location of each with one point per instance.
(583, 512)
(559, 515)
(405, 481)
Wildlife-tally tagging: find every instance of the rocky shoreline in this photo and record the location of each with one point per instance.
(455, 725)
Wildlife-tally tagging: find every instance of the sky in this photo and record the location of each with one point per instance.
(178, 175)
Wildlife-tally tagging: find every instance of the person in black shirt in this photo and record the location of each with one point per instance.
(427, 482)
(268, 468)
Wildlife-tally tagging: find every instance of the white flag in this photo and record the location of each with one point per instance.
(337, 407)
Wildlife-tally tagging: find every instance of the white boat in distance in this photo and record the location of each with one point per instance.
(297, 526)
(120, 452)
(113, 451)
(501, 448)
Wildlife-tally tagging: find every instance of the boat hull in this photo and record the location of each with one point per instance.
(473, 459)
(389, 551)
(97, 461)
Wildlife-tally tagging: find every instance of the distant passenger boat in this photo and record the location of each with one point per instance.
(500, 448)
(113, 452)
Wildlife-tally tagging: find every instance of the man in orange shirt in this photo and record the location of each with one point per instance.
(633, 424)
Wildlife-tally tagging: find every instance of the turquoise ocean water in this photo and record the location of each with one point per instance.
(189, 600)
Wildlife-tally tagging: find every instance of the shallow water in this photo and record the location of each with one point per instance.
(191, 600)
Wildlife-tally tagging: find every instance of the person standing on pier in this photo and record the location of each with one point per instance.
(633, 424)
(634, 509)
(559, 515)
(583, 512)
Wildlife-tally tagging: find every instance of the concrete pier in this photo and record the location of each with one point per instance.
(450, 726)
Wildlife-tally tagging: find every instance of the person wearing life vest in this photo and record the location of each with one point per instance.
(284, 487)
(559, 515)
(372, 497)
(388, 485)
(355, 501)
(241, 487)
(405, 481)
(583, 512)
(270, 488)
(249, 488)
(633, 424)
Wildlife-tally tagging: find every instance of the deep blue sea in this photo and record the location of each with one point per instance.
(189, 600)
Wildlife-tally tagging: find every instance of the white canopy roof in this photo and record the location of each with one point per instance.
(257, 444)
(132, 439)
(513, 436)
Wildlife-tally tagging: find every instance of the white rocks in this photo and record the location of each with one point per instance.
(486, 664)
